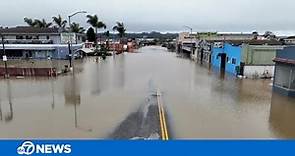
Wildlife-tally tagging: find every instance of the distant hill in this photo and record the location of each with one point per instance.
(153, 34)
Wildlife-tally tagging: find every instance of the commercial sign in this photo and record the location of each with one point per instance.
(68, 38)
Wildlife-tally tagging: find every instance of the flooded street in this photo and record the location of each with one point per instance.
(99, 97)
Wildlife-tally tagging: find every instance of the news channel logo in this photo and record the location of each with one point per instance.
(29, 148)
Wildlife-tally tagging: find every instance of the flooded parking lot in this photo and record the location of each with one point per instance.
(99, 97)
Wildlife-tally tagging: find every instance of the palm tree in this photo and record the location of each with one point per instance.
(107, 35)
(95, 23)
(120, 28)
(42, 23)
(37, 23)
(76, 28)
(30, 22)
(59, 21)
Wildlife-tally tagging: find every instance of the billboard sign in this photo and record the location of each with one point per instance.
(68, 37)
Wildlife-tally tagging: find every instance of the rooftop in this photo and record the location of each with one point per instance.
(28, 30)
(291, 37)
(251, 42)
(282, 60)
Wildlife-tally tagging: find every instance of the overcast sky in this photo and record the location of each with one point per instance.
(163, 15)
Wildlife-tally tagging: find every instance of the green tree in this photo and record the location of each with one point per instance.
(37, 23)
(42, 23)
(90, 35)
(30, 22)
(120, 28)
(59, 21)
(76, 28)
(107, 35)
(95, 23)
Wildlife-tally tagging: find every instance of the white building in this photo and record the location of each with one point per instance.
(37, 43)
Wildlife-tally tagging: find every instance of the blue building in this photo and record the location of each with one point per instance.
(251, 58)
(284, 79)
(226, 56)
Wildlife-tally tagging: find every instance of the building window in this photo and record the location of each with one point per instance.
(19, 37)
(227, 60)
(28, 37)
(233, 61)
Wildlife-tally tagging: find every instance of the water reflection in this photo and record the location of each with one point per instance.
(91, 103)
(72, 91)
(97, 78)
(282, 114)
(222, 74)
(8, 116)
(52, 92)
(73, 97)
(119, 71)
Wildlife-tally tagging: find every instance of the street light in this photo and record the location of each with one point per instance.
(74, 14)
(70, 42)
(190, 28)
(4, 57)
(191, 36)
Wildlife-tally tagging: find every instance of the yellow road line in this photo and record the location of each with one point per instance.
(163, 123)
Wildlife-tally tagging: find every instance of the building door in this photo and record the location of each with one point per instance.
(242, 68)
(222, 61)
(202, 55)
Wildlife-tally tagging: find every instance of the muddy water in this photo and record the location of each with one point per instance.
(100, 96)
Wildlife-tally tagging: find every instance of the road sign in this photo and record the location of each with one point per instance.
(68, 37)
(4, 58)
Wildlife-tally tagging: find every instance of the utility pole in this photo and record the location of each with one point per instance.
(191, 37)
(70, 54)
(70, 43)
(4, 57)
(70, 39)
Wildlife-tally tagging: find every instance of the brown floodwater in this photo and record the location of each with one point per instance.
(99, 96)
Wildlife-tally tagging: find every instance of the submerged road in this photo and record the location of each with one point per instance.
(118, 98)
(148, 122)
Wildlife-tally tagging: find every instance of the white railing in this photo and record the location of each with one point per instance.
(28, 41)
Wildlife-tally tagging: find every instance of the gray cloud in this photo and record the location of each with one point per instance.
(163, 15)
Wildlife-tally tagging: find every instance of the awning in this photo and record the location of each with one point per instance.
(282, 60)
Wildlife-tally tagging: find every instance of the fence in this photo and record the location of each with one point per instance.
(28, 71)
